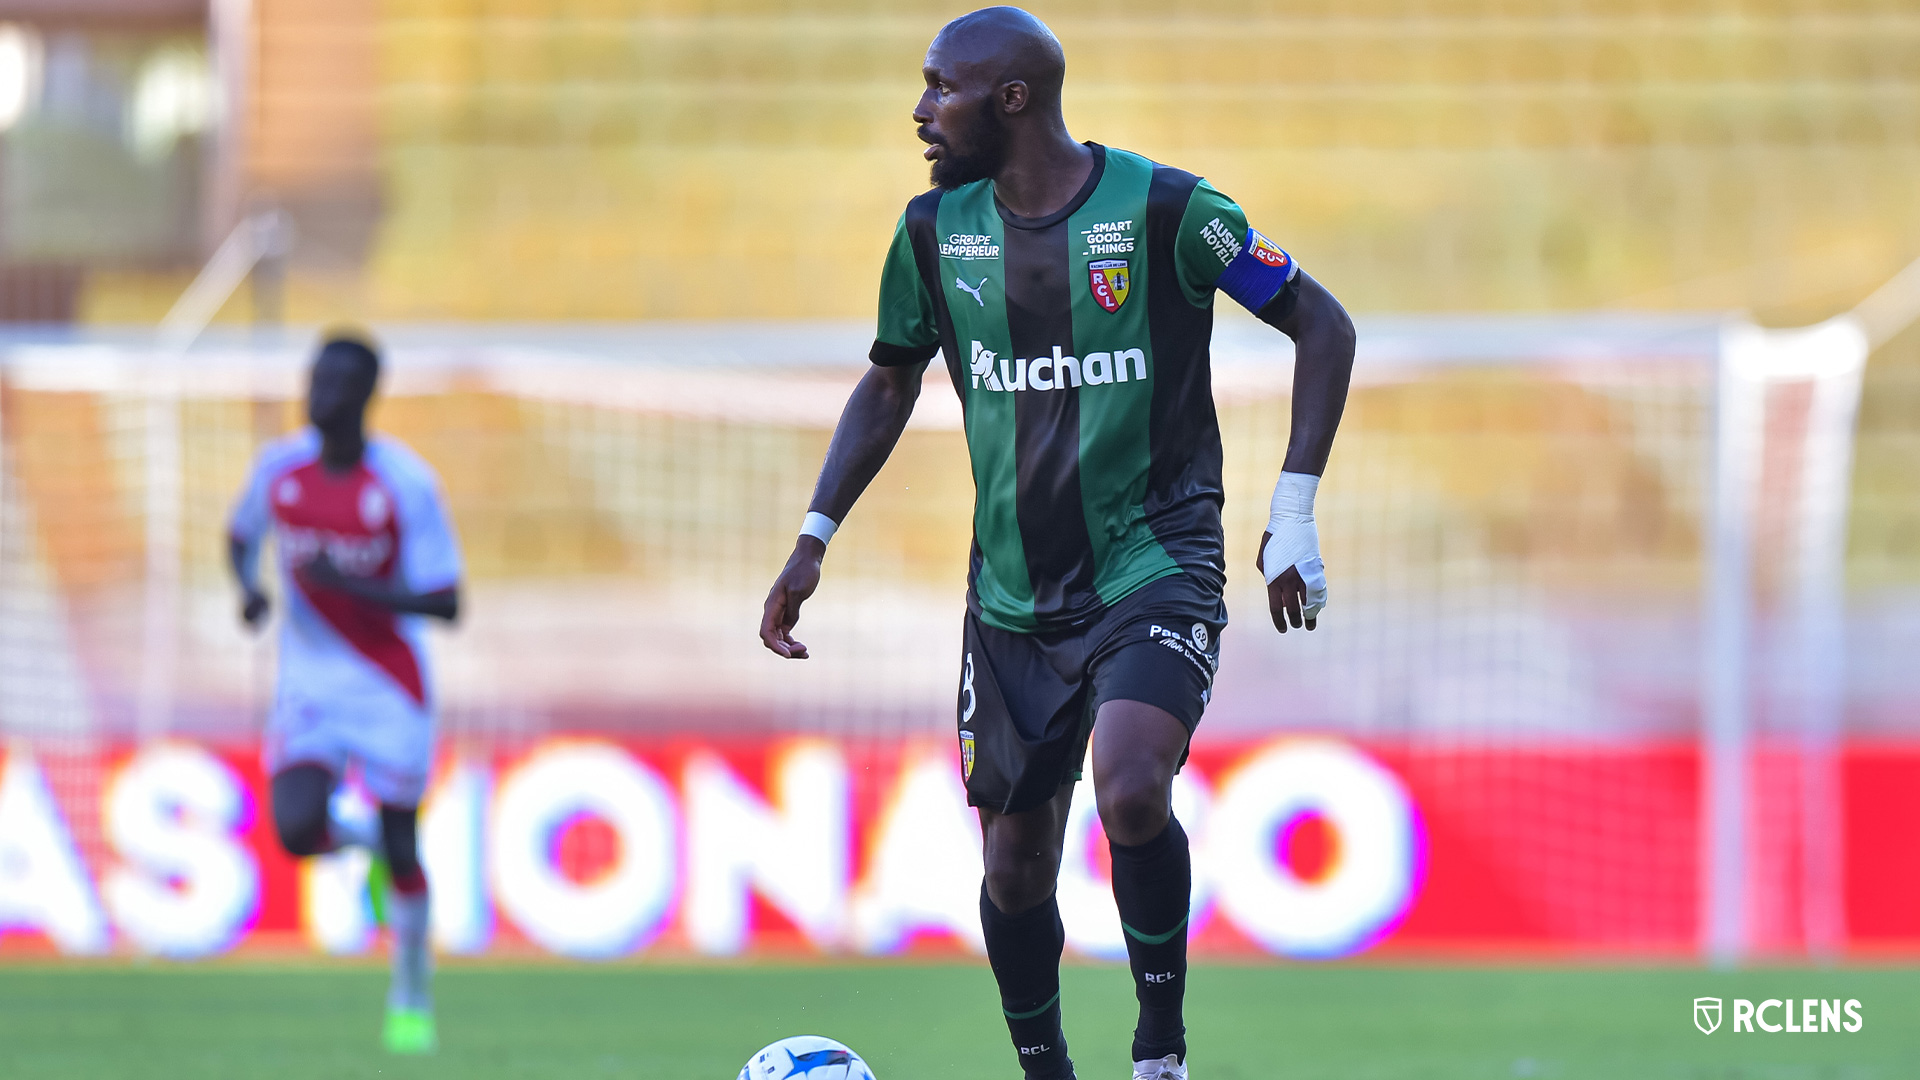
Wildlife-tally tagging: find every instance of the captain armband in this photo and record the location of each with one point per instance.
(1262, 278)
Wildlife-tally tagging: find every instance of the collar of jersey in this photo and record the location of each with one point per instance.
(1079, 197)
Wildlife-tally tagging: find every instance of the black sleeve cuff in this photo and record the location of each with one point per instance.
(887, 355)
(1277, 310)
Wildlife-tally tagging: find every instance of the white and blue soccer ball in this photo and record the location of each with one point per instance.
(805, 1057)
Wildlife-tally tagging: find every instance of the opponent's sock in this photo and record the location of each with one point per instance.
(412, 953)
(1152, 883)
(1024, 951)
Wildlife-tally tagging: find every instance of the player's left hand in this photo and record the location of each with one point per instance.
(1291, 598)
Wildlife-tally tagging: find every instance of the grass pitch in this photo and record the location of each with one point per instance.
(938, 1022)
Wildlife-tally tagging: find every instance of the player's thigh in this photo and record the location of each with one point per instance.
(300, 792)
(393, 746)
(1137, 748)
(1152, 679)
(1022, 717)
(302, 731)
(1160, 647)
(1021, 851)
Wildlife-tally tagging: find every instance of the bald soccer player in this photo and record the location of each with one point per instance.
(1070, 287)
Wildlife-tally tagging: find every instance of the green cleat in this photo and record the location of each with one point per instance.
(410, 1031)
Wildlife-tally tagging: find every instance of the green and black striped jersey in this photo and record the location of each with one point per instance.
(1078, 344)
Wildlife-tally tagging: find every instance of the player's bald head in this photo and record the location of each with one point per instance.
(999, 45)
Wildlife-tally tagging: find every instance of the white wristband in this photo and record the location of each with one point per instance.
(819, 526)
(1292, 499)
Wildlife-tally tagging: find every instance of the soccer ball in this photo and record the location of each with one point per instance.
(805, 1057)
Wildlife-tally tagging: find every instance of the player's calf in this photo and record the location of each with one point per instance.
(400, 841)
(1024, 951)
(1137, 747)
(1020, 920)
(407, 907)
(1152, 885)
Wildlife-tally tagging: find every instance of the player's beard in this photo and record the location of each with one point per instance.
(982, 159)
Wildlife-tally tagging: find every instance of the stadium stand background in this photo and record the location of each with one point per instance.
(578, 160)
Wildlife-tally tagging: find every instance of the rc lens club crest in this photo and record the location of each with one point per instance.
(1110, 282)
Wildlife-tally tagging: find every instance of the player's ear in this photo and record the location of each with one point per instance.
(1013, 97)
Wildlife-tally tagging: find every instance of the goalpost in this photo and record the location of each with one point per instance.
(1754, 403)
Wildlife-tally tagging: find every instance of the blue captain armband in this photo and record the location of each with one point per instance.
(1258, 274)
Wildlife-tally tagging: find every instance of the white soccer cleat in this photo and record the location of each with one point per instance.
(1166, 1068)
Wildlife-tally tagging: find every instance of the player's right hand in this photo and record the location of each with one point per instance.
(254, 606)
(791, 589)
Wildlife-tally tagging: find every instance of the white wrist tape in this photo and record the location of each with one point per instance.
(1296, 539)
(819, 526)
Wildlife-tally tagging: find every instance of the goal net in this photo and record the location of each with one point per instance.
(1580, 687)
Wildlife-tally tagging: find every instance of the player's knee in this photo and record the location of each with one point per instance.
(300, 797)
(1134, 807)
(1016, 884)
(302, 829)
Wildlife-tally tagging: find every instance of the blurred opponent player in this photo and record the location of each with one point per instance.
(365, 549)
(1071, 288)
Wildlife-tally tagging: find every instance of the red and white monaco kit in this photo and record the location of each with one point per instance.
(353, 682)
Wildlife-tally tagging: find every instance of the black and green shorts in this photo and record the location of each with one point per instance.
(1027, 701)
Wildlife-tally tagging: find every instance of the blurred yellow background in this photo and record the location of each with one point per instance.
(597, 159)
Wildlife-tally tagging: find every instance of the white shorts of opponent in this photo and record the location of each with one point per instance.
(390, 739)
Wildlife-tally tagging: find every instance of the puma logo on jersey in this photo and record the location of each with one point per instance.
(1057, 372)
(972, 290)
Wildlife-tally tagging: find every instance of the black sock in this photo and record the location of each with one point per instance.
(1151, 884)
(1024, 950)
